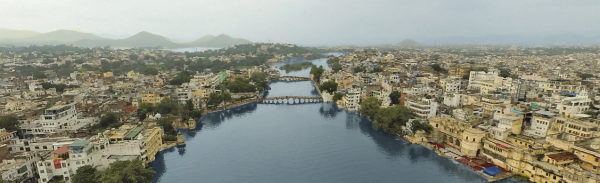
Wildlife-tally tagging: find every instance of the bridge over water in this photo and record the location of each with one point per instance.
(291, 78)
(291, 99)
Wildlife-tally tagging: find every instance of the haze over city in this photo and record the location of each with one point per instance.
(319, 23)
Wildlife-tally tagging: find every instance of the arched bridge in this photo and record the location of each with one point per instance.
(291, 99)
(291, 78)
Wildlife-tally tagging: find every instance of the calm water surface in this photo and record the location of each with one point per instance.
(274, 143)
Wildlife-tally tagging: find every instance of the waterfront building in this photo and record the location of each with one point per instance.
(423, 107)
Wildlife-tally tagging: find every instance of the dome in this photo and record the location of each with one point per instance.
(157, 116)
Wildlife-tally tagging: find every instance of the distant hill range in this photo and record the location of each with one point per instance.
(78, 38)
(408, 43)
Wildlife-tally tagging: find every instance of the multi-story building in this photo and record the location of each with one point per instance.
(59, 118)
(476, 77)
(351, 99)
(540, 123)
(451, 84)
(17, 166)
(569, 106)
(423, 107)
(152, 96)
(38, 144)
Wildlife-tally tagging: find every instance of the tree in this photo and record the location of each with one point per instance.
(39, 75)
(317, 72)
(126, 172)
(189, 105)
(504, 73)
(417, 125)
(151, 71)
(167, 106)
(438, 68)
(214, 99)
(369, 107)
(336, 67)
(182, 77)
(226, 96)
(358, 69)
(337, 96)
(329, 86)
(584, 76)
(86, 174)
(108, 119)
(377, 69)
(48, 61)
(391, 119)
(395, 97)
(9, 122)
(167, 125)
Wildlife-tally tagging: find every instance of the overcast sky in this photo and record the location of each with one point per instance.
(306, 22)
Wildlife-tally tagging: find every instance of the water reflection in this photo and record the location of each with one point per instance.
(260, 142)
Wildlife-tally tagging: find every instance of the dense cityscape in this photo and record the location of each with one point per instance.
(77, 114)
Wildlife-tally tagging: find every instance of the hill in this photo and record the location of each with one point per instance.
(217, 42)
(16, 34)
(408, 42)
(61, 36)
(141, 39)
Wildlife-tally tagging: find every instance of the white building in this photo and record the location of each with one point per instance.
(452, 99)
(351, 99)
(56, 119)
(17, 166)
(540, 123)
(184, 93)
(451, 84)
(476, 77)
(423, 107)
(38, 144)
(578, 104)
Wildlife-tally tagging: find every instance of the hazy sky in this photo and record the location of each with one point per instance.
(307, 22)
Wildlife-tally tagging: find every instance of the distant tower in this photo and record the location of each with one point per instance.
(191, 124)
(180, 140)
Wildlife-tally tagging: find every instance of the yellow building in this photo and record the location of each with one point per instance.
(201, 92)
(107, 74)
(471, 145)
(152, 143)
(152, 96)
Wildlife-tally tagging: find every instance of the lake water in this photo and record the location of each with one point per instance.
(317, 142)
(192, 49)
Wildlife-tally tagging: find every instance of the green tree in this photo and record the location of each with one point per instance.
(504, 73)
(214, 99)
(358, 69)
(329, 86)
(337, 96)
(438, 68)
(417, 125)
(86, 174)
(108, 119)
(189, 105)
(336, 67)
(584, 76)
(9, 122)
(167, 125)
(39, 75)
(395, 97)
(369, 107)
(151, 71)
(167, 106)
(226, 96)
(127, 172)
(377, 69)
(391, 119)
(317, 72)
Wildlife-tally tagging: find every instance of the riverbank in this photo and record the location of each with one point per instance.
(476, 164)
